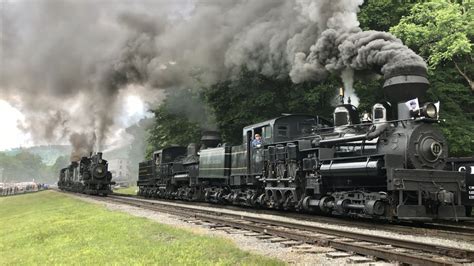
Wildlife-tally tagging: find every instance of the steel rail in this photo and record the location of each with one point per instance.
(463, 231)
(306, 233)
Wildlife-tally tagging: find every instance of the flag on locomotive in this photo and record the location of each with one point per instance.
(390, 167)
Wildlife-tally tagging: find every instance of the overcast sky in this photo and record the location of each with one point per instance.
(12, 137)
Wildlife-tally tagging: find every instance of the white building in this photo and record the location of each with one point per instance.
(120, 171)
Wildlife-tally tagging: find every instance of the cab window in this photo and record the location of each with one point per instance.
(282, 130)
(305, 128)
(267, 132)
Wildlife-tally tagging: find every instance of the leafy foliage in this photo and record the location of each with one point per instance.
(25, 166)
(457, 110)
(253, 98)
(171, 125)
(382, 14)
(442, 32)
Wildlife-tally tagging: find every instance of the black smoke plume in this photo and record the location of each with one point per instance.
(66, 63)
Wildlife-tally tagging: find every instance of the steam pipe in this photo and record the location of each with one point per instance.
(376, 132)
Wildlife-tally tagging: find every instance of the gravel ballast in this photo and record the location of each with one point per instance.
(266, 248)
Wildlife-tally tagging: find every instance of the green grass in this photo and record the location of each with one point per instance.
(51, 228)
(127, 190)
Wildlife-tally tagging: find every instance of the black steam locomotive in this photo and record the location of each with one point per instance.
(390, 167)
(90, 176)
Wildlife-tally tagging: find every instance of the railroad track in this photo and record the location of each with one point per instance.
(460, 231)
(375, 246)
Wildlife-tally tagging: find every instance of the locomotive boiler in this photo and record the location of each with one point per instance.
(391, 167)
(90, 175)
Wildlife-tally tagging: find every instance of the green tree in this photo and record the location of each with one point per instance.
(253, 98)
(457, 110)
(24, 166)
(174, 123)
(60, 163)
(382, 14)
(442, 32)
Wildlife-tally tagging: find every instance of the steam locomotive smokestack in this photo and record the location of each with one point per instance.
(210, 138)
(402, 85)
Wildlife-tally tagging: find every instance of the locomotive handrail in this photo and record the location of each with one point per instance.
(364, 124)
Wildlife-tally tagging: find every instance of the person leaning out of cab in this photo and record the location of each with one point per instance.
(257, 141)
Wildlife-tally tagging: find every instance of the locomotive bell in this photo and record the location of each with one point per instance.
(210, 138)
(402, 85)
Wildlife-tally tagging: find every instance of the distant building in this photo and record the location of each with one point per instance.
(120, 171)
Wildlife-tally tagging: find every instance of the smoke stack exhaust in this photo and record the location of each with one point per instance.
(402, 85)
(210, 139)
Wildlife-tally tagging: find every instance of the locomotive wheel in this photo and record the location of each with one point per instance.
(288, 203)
(252, 200)
(261, 200)
(375, 207)
(341, 206)
(323, 204)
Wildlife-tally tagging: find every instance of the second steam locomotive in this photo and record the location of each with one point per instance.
(388, 168)
(90, 175)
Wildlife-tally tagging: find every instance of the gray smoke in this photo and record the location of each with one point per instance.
(82, 145)
(344, 47)
(66, 63)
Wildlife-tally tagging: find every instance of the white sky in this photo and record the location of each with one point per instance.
(11, 136)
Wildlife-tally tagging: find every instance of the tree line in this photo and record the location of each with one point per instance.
(26, 166)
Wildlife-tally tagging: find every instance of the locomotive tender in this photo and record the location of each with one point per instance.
(90, 176)
(388, 168)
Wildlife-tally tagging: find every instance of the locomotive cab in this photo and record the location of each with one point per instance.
(163, 160)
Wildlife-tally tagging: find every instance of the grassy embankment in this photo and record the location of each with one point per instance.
(51, 228)
(127, 190)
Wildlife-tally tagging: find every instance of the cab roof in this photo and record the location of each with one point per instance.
(272, 122)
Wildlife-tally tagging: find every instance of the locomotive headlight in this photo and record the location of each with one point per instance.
(430, 111)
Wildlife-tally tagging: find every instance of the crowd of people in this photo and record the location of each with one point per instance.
(8, 189)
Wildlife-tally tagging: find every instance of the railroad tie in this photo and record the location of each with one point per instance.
(359, 259)
(338, 254)
(290, 243)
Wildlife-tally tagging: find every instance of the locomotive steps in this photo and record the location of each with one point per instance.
(311, 236)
